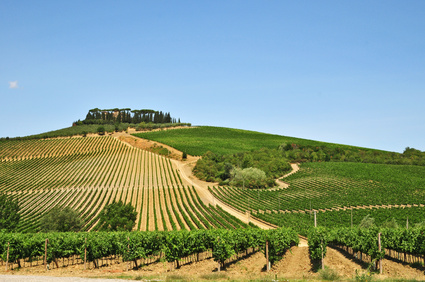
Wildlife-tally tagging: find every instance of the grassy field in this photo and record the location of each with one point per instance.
(198, 140)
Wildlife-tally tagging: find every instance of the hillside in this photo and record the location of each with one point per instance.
(335, 181)
(198, 140)
(88, 173)
(384, 184)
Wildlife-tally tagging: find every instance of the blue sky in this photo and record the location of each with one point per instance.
(350, 72)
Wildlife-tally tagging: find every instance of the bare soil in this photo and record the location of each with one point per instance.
(295, 264)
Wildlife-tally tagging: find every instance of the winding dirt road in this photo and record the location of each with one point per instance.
(185, 168)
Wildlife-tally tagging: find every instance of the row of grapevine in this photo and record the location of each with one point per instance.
(330, 186)
(133, 246)
(383, 216)
(118, 166)
(102, 170)
(178, 206)
(367, 245)
(28, 149)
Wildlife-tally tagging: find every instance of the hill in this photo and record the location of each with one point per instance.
(88, 173)
(220, 140)
(341, 184)
(331, 178)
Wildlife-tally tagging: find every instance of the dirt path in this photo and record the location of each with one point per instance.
(284, 185)
(295, 264)
(185, 169)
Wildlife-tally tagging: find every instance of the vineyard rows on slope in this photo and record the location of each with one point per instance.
(325, 187)
(88, 173)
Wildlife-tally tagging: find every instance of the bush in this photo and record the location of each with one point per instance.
(118, 217)
(101, 130)
(61, 220)
(9, 213)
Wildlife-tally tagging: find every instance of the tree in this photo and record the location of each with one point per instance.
(9, 213)
(61, 220)
(248, 177)
(101, 130)
(118, 217)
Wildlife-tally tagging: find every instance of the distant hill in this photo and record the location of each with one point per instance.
(197, 141)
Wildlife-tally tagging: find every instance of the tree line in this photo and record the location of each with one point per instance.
(126, 115)
(305, 153)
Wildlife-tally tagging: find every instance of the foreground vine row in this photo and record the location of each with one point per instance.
(170, 246)
(370, 244)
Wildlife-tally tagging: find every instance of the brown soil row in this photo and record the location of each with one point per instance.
(295, 264)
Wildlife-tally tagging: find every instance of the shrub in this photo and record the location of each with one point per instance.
(118, 217)
(101, 130)
(9, 213)
(61, 220)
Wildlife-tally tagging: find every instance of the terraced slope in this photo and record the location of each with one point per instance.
(89, 173)
(336, 191)
(333, 186)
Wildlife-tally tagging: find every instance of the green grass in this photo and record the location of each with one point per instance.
(198, 140)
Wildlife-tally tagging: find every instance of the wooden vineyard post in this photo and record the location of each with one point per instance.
(128, 251)
(407, 223)
(379, 247)
(267, 256)
(45, 253)
(85, 253)
(7, 256)
(315, 221)
(321, 245)
(351, 216)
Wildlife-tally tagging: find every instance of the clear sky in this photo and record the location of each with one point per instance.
(350, 72)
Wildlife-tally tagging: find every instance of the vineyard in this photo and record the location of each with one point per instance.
(370, 245)
(88, 173)
(198, 140)
(336, 191)
(27, 250)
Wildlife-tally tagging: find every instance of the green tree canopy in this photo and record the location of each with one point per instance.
(61, 220)
(118, 217)
(9, 213)
(248, 177)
